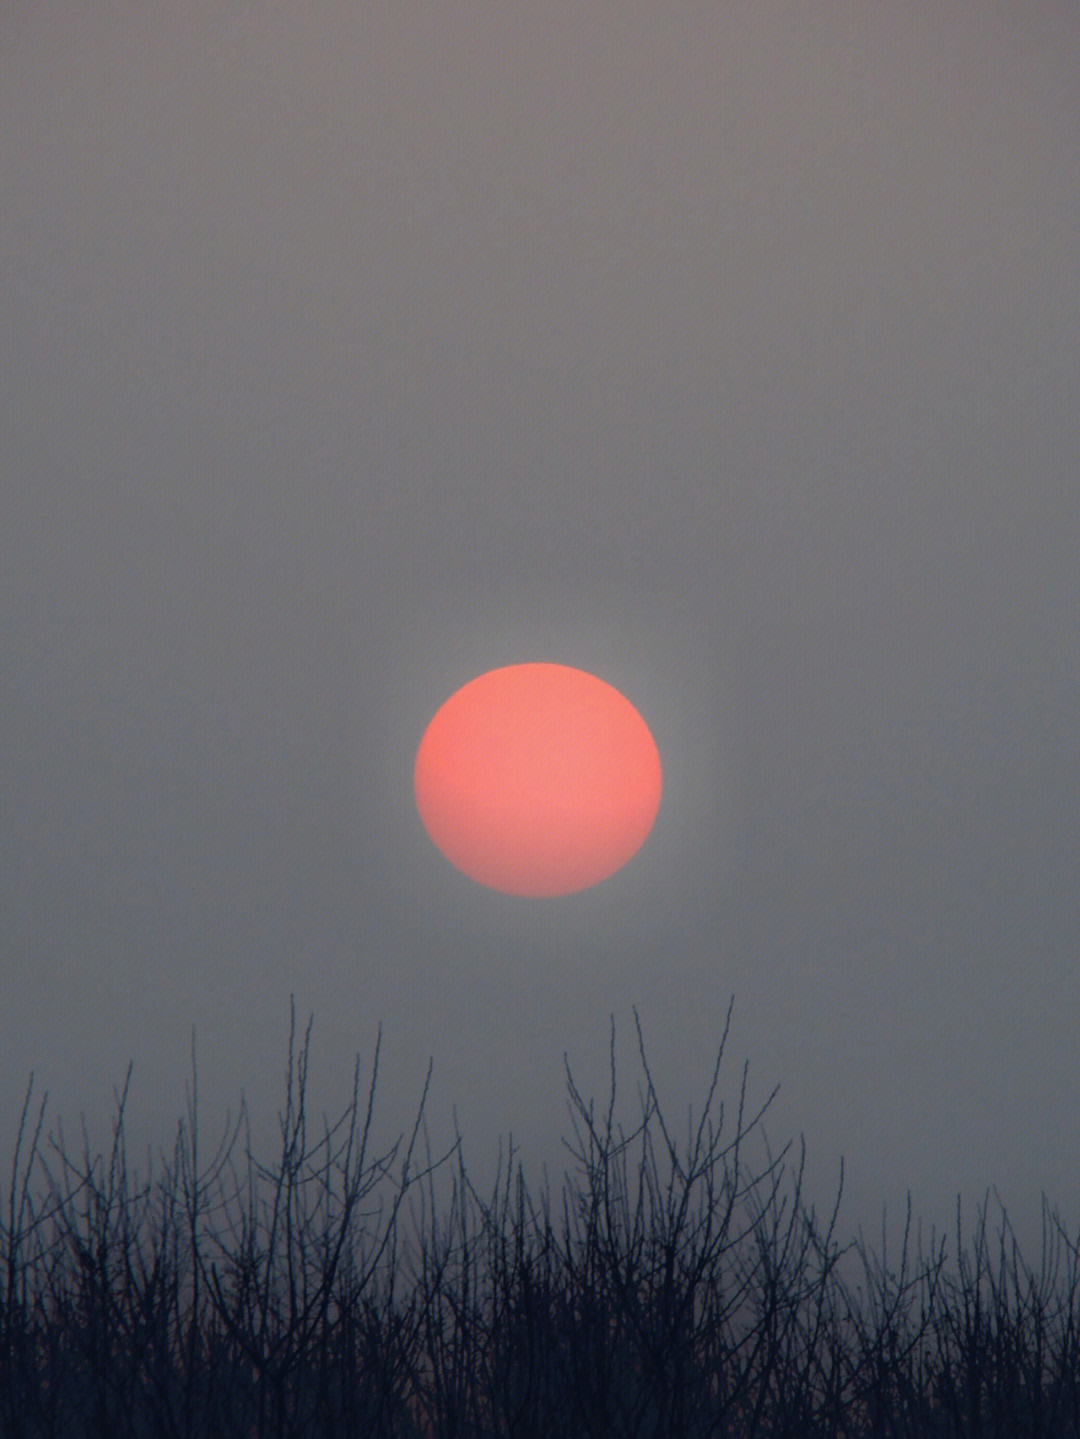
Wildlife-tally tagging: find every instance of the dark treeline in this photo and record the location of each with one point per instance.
(294, 1303)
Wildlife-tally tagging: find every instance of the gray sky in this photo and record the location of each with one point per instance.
(730, 352)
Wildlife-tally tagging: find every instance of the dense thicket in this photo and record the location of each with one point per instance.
(706, 1303)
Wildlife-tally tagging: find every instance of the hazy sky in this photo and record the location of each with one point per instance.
(729, 351)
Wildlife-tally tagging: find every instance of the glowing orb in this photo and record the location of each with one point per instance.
(537, 779)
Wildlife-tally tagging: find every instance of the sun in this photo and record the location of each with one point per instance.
(538, 779)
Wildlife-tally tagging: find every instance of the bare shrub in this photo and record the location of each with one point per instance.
(700, 1301)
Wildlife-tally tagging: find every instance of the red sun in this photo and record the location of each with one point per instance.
(537, 779)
